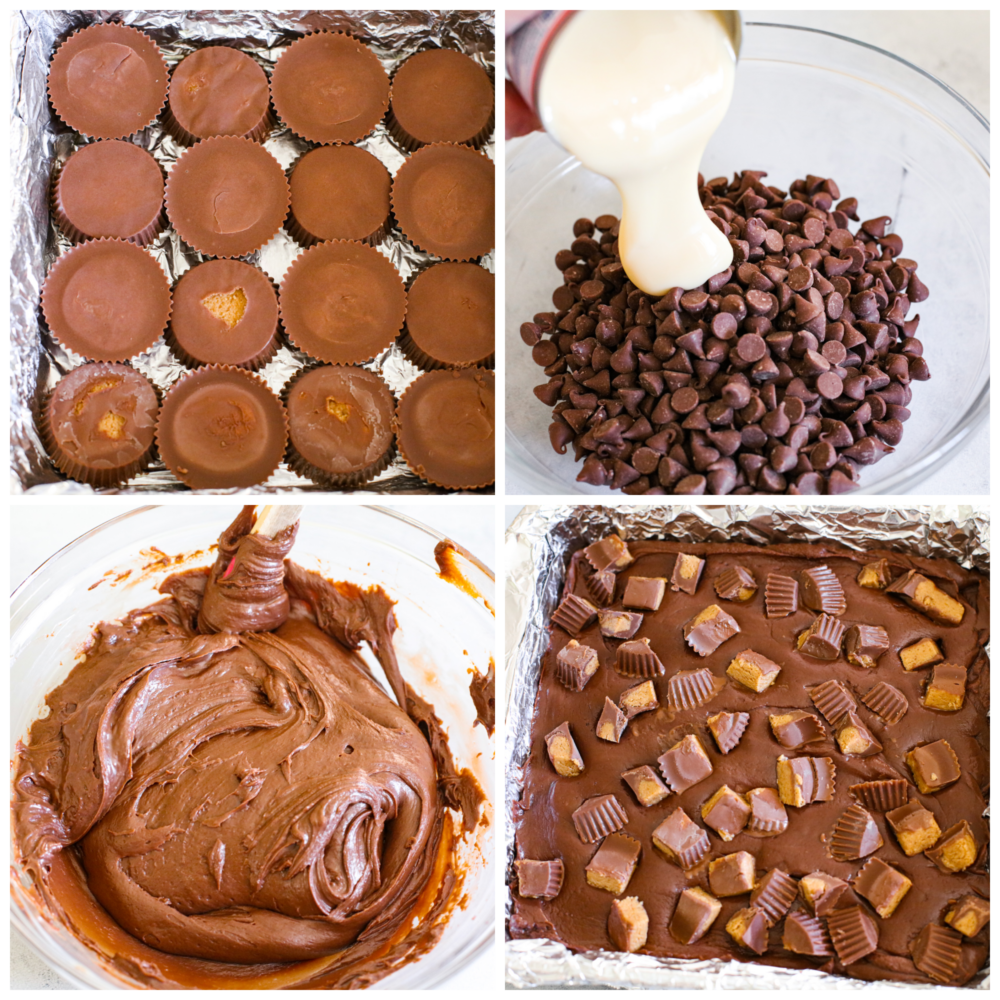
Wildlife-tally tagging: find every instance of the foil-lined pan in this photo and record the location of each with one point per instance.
(40, 144)
(539, 543)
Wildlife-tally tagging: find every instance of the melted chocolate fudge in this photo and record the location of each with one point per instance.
(862, 894)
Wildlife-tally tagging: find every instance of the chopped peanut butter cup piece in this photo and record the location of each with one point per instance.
(956, 849)
(748, 928)
(685, 764)
(854, 737)
(882, 795)
(635, 700)
(924, 653)
(694, 915)
(781, 596)
(736, 584)
(887, 702)
(933, 766)
(619, 624)
(597, 817)
(805, 935)
(853, 933)
(882, 885)
(927, 597)
(802, 780)
(709, 629)
(822, 639)
(574, 614)
(728, 729)
(832, 699)
(875, 575)
(612, 722)
(612, 866)
(969, 915)
(936, 952)
(864, 644)
(687, 573)
(821, 892)
(628, 924)
(644, 592)
(821, 591)
(767, 813)
(539, 879)
(646, 785)
(575, 665)
(636, 659)
(726, 812)
(732, 874)
(915, 827)
(855, 835)
(691, 688)
(601, 587)
(753, 670)
(946, 688)
(563, 752)
(796, 728)
(774, 895)
(681, 840)
(610, 553)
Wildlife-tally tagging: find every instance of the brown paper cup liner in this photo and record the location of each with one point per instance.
(409, 144)
(74, 235)
(258, 133)
(301, 236)
(254, 364)
(423, 360)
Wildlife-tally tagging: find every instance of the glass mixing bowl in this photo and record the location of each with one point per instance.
(443, 631)
(900, 141)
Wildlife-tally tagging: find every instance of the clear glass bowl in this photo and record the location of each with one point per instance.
(442, 632)
(900, 141)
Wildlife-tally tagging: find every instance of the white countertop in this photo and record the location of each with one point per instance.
(40, 530)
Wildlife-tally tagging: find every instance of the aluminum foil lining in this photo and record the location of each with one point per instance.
(40, 143)
(539, 543)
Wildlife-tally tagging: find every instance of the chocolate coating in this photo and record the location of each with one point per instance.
(226, 196)
(221, 428)
(225, 313)
(442, 197)
(450, 317)
(442, 96)
(106, 300)
(219, 90)
(576, 918)
(328, 87)
(445, 428)
(338, 193)
(340, 421)
(99, 423)
(108, 81)
(342, 302)
(112, 189)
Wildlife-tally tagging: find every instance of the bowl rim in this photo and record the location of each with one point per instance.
(913, 473)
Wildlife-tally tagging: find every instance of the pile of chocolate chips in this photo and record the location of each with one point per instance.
(785, 373)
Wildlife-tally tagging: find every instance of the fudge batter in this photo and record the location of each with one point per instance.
(222, 795)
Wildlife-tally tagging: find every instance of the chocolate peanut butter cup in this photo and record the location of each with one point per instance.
(227, 196)
(445, 428)
(108, 81)
(225, 313)
(339, 193)
(106, 300)
(440, 95)
(342, 302)
(109, 189)
(98, 424)
(449, 317)
(218, 90)
(221, 428)
(329, 87)
(442, 198)
(339, 425)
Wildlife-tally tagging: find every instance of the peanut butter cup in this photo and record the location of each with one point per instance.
(98, 424)
(440, 95)
(108, 81)
(226, 196)
(339, 193)
(225, 313)
(221, 428)
(449, 317)
(445, 428)
(339, 425)
(342, 302)
(109, 189)
(328, 87)
(218, 90)
(442, 198)
(106, 300)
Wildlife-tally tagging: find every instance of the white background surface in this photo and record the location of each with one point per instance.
(38, 531)
(954, 46)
